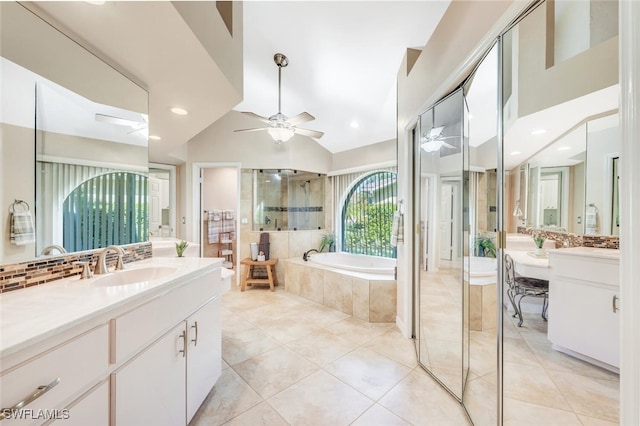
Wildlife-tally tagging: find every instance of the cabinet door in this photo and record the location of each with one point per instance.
(204, 354)
(582, 319)
(150, 389)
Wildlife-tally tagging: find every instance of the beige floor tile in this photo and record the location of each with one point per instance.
(240, 345)
(357, 330)
(379, 416)
(394, 345)
(554, 360)
(532, 383)
(418, 398)
(589, 396)
(517, 351)
(322, 347)
(590, 421)
(260, 415)
(275, 370)
(320, 399)
(368, 372)
(479, 397)
(517, 413)
(289, 328)
(230, 396)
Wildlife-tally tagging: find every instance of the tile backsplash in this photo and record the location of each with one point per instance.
(566, 239)
(43, 270)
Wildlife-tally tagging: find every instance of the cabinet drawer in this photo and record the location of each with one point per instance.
(141, 326)
(78, 363)
(91, 408)
(605, 271)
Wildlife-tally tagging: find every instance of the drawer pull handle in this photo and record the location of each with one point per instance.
(183, 351)
(614, 304)
(40, 390)
(195, 341)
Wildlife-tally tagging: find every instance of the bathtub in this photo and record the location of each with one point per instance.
(481, 267)
(358, 285)
(355, 262)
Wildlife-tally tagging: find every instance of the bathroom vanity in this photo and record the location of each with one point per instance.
(115, 349)
(584, 319)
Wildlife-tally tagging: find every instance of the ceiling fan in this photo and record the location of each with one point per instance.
(433, 140)
(281, 128)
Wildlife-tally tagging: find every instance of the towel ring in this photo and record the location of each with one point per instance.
(21, 204)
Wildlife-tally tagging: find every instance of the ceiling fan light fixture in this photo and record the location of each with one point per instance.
(281, 134)
(432, 146)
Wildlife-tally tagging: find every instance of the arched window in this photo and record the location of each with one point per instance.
(367, 215)
(104, 210)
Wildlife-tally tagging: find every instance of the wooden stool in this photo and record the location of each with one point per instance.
(250, 264)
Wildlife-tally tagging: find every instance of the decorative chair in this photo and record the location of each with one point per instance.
(521, 287)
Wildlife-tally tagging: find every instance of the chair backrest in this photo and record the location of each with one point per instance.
(509, 271)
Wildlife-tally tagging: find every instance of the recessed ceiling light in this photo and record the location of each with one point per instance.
(355, 124)
(179, 111)
(564, 148)
(154, 137)
(515, 153)
(538, 131)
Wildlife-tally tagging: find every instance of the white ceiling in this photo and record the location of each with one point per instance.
(344, 58)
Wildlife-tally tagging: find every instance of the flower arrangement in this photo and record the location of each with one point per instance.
(181, 247)
(539, 240)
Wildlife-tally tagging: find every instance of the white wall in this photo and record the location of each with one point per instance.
(219, 188)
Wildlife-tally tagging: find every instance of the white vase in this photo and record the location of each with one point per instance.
(540, 252)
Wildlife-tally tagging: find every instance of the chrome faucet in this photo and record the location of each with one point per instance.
(49, 249)
(101, 266)
(307, 254)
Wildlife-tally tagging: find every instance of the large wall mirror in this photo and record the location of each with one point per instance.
(74, 140)
(560, 95)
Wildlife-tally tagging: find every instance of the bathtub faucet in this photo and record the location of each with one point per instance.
(307, 254)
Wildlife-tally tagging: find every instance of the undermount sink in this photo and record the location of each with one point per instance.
(133, 276)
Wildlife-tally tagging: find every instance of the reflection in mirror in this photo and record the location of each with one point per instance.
(480, 277)
(90, 121)
(547, 113)
(162, 200)
(603, 146)
(439, 189)
(288, 200)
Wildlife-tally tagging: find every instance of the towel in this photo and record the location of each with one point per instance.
(395, 231)
(591, 220)
(22, 231)
(214, 226)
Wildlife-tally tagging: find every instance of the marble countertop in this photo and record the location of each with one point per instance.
(36, 313)
(588, 252)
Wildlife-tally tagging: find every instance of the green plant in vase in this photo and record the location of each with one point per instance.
(485, 247)
(539, 241)
(328, 241)
(181, 247)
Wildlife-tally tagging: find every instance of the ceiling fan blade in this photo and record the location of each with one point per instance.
(447, 145)
(254, 115)
(311, 133)
(252, 130)
(303, 117)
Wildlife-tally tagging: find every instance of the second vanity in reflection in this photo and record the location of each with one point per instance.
(584, 319)
(142, 350)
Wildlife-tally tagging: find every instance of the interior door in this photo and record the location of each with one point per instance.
(155, 212)
(446, 221)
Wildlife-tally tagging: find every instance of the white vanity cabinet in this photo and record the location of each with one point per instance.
(134, 354)
(167, 381)
(583, 316)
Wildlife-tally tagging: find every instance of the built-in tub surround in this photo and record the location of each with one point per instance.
(368, 296)
(47, 269)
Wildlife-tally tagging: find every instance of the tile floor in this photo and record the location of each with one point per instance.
(290, 361)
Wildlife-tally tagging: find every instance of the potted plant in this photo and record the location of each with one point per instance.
(181, 247)
(485, 247)
(539, 240)
(328, 241)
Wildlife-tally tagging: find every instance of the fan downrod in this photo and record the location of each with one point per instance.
(281, 60)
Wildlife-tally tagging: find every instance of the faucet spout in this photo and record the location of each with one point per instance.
(101, 266)
(49, 249)
(307, 254)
